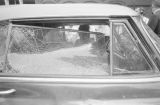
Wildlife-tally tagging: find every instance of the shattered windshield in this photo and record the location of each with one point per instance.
(76, 49)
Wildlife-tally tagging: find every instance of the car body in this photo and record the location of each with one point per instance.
(77, 54)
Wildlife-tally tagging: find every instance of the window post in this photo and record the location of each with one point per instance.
(111, 49)
(7, 45)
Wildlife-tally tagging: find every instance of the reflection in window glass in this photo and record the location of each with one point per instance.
(126, 57)
(65, 50)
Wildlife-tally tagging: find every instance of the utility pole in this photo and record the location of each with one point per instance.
(20, 1)
(6, 2)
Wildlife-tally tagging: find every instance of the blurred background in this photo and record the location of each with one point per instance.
(130, 3)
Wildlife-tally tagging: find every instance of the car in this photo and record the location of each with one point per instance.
(77, 54)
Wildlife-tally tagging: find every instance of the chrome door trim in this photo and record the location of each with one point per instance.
(80, 80)
(7, 92)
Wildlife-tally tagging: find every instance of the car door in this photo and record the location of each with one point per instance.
(82, 76)
(101, 91)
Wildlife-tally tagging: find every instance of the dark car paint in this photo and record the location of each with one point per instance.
(37, 92)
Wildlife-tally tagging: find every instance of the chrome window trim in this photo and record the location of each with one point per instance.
(151, 41)
(68, 18)
(111, 48)
(62, 18)
(148, 35)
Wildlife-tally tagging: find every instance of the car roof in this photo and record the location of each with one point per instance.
(63, 10)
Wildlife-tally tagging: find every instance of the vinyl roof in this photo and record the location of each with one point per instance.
(63, 10)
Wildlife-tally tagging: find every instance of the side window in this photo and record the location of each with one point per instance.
(126, 55)
(69, 49)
